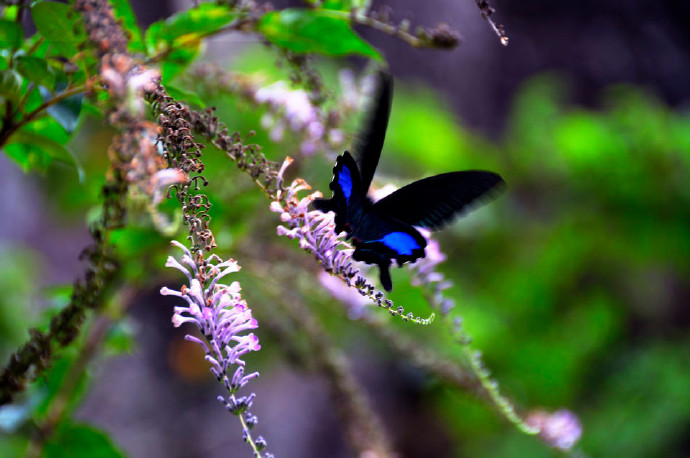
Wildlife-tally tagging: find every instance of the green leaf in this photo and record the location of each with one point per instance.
(178, 60)
(28, 157)
(47, 127)
(190, 25)
(66, 111)
(123, 11)
(36, 70)
(9, 12)
(52, 21)
(189, 97)
(314, 31)
(181, 35)
(11, 34)
(80, 441)
(10, 85)
(339, 5)
(33, 151)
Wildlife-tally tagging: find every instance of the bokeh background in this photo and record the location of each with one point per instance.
(575, 283)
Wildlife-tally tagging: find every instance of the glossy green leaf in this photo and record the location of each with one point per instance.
(27, 157)
(47, 126)
(53, 22)
(187, 28)
(180, 35)
(123, 11)
(10, 85)
(11, 34)
(66, 111)
(80, 441)
(35, 70)
(313, 31)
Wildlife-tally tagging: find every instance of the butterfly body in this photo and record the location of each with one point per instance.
(384, 231)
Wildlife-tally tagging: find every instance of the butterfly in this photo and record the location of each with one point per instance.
(383, 231)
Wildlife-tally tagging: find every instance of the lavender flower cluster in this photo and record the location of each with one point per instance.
(561, 429)
(222, 317)
(315, 230)
(292, 109)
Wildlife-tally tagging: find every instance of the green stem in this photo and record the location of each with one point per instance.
(35, 46)
(504, 406)
(360, 17)
(245, 428)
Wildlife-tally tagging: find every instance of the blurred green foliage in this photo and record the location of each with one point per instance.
(574, 283)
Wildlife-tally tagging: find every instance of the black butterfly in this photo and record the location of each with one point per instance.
(382, 231)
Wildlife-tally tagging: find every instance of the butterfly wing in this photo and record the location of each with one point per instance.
(369, 141)
(349, 201)
(435, 201)
(379, 239)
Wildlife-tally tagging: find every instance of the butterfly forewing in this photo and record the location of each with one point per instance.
(348, 202)
(435, 201)
(369, 140)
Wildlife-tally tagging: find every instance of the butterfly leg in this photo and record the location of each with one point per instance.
(385, 276)
(374, 257)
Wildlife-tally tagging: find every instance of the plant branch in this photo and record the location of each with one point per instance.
(9, 127)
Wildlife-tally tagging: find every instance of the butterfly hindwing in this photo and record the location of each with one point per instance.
(379, 239)
(435, 201)
(390, 238)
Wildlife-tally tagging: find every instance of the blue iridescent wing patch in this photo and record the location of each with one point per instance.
(379, 239)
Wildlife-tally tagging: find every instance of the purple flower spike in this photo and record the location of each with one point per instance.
(222, 317)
